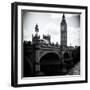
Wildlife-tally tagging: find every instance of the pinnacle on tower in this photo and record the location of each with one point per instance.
(36, 29)
(63, 16)
(63, 19)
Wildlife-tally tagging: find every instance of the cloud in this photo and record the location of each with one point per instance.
(52, 28)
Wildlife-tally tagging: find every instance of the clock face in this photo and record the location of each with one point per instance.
(63, 28)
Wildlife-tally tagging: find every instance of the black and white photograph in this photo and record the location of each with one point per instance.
(50, 44)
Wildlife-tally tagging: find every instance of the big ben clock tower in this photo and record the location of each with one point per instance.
(63, 31)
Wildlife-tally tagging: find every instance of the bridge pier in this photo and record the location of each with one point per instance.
(37, 67)
(37, 64)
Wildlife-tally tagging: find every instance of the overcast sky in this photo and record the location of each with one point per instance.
(49, 23)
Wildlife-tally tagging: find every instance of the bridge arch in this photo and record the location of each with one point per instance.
(48, 52)
(50, 63)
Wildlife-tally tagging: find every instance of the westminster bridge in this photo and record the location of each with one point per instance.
(46, 58)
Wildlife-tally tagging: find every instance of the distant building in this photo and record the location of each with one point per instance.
(47, 37)
(63, 31)
(44, 41)
(36, 38)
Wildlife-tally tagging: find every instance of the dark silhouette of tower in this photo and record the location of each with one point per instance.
(36, 38)
(63, 31)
